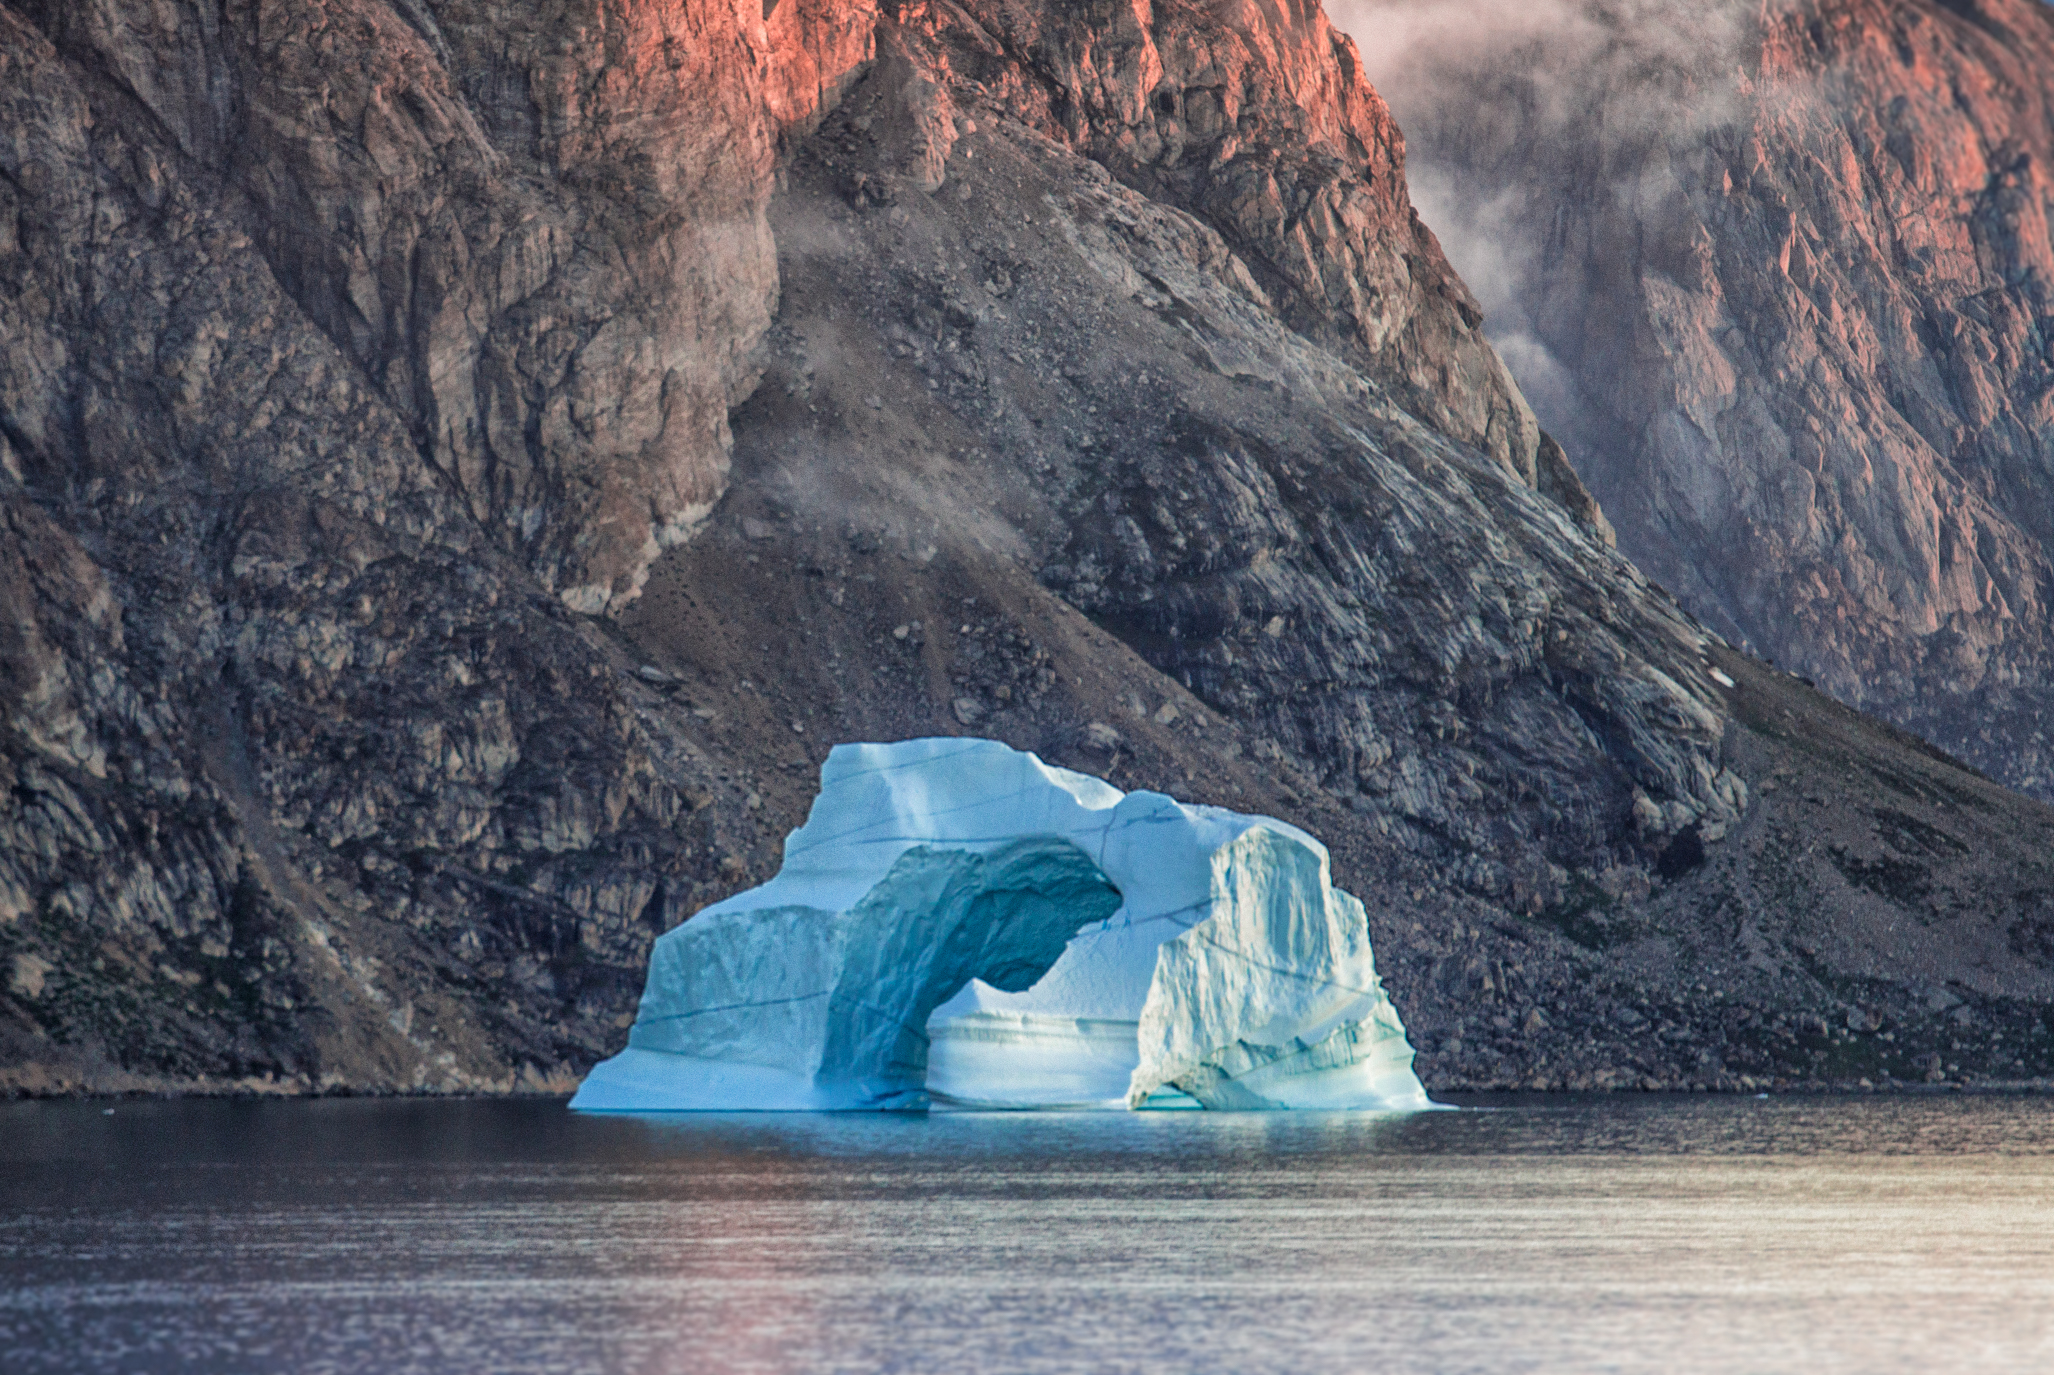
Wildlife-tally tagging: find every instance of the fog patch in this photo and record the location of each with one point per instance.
(1473, 83)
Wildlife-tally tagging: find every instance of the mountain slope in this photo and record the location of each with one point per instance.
(456, 497)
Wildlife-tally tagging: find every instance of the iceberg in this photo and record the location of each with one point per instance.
(961, 925)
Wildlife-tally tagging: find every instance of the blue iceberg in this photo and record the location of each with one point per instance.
(959, 924)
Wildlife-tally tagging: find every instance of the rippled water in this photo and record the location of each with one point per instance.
(1629, 1234)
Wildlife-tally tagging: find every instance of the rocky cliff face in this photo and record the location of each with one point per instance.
(1783, 276)
(334, 391)
(454, 498)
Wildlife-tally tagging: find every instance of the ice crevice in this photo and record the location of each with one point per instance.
(959, 924)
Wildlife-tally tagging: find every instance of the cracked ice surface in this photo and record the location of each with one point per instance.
(958, 921)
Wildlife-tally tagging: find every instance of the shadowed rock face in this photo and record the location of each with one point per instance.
(1784, 278)
(359, 361)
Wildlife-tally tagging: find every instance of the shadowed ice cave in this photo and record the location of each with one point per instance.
(958, 923)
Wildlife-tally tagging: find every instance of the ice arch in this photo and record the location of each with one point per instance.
(796, 1007)
(958, 921)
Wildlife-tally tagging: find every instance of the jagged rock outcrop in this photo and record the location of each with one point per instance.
(358, 360)
(1790, 274)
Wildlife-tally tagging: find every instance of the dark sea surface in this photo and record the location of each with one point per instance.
(1623, 1233)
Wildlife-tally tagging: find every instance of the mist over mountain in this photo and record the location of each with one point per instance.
(464, 463)
(1781, 277)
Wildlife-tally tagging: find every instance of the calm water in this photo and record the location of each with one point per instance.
(1641, 1234)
